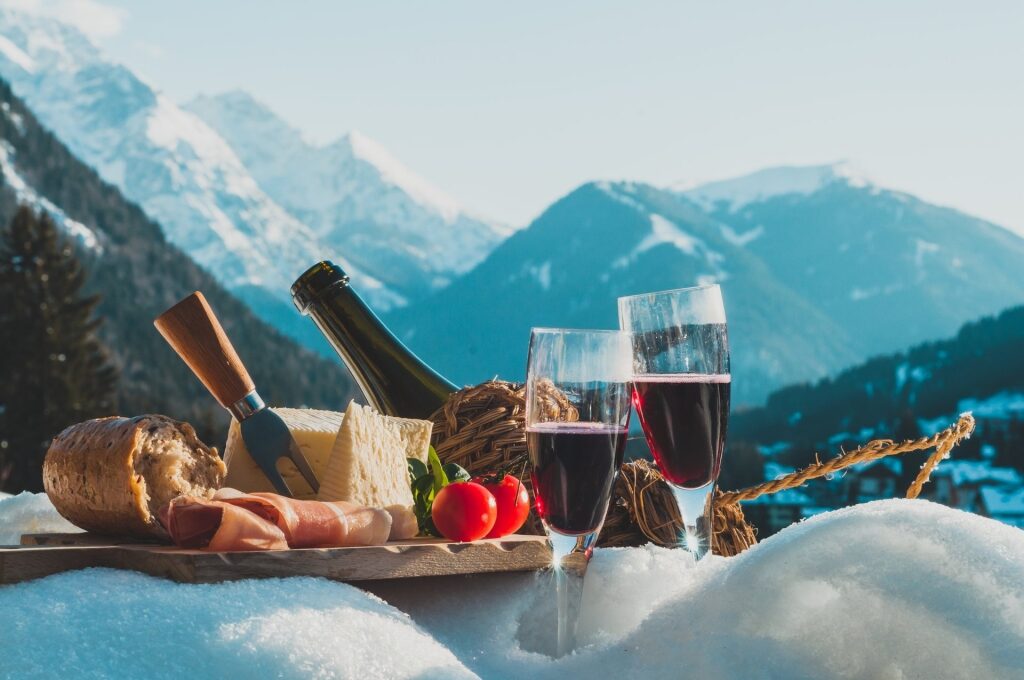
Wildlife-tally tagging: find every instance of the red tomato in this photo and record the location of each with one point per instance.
(513, 504)
(464, 511)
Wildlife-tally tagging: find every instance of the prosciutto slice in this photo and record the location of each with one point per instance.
(315, 524)
(220, 527)
(233, 521)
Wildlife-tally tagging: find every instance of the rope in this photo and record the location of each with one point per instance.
(943, 442)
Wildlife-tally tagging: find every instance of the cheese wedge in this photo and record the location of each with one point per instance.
(314, 432)
(368, 464)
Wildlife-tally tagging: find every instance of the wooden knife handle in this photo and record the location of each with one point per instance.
(194, 332)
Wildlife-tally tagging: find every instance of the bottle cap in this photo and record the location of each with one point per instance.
(314, 282)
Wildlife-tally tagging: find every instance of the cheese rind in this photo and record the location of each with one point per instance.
(314, 431)
(368, 464)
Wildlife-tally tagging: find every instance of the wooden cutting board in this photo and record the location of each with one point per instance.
(44, 554)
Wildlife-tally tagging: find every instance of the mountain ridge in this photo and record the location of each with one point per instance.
(814, 282)
(138, 274)
(355, 194)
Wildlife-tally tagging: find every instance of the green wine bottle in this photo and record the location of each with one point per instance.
(393, 379)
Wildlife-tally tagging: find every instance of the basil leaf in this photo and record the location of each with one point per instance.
(417, 469)
(456, 473)
(440, 478)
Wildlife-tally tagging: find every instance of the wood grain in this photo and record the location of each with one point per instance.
(46, 554)
(192, 329)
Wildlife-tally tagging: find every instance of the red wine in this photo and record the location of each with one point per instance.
(685, 417)
(393, 379)
(574, 467)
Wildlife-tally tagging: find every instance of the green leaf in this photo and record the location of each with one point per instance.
(417, 469)
(424, 486)
(440, 478)
(456, 473)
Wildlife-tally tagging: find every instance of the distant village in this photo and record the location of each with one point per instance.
(970, 480)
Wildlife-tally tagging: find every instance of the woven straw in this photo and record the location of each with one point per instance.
(483, 429)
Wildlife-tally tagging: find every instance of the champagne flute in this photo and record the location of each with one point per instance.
(681, 388)
(577, 417)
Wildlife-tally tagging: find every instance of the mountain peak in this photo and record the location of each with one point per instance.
(396, 173)
(770, 182)
(34, 42)
(239, 108)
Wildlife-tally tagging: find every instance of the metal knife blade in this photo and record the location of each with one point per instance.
(268, 439)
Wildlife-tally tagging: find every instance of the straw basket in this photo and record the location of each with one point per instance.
(483, 429)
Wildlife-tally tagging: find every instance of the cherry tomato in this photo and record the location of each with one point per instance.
(513, 504)
(464, 511)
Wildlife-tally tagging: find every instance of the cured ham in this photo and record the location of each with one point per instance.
(220, 527)
(315, 524)
(233, 520)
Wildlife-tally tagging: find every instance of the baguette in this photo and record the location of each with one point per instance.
(113, 475)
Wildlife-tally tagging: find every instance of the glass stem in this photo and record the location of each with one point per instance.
(570, 557)
(695, 509)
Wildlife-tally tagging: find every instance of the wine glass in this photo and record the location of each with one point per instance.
(577, 417)
(681, 387)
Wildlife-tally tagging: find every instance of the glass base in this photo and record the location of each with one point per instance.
(570, 554)
(695, 509)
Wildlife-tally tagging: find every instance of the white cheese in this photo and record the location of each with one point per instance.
(314, 431)
(368, 464)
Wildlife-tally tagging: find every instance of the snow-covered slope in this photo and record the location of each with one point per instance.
(168, 160)
(736, 192)
(892, 589)
(867, 255)
(603, 240)
(357, 197)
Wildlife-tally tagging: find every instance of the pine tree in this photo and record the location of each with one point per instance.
(54, 369)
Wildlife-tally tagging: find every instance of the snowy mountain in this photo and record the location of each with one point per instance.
(890, 269)
(734, 193)
(820, 269)
(601, 241)
(356, 197)
(137, 275)
(168, 160)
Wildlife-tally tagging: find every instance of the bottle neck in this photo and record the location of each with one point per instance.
(392, 378)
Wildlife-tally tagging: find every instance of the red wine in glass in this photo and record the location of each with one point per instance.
(684, 417)
(573, 470)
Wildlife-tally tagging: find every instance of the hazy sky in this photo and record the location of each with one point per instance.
(507, 106)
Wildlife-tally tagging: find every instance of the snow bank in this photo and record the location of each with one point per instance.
(892, 589)
(29, 513)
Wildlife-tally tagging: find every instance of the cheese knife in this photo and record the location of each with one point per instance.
(192, 329)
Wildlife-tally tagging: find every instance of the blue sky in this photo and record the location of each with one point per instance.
(507, 106)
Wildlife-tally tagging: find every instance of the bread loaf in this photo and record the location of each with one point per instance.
(113, 475)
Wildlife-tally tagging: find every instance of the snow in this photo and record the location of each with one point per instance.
(1001, 406)
(15, 54)
(354, 194)
(857, 294)
(890, 589)
(769, 183)
(794, 497)
(396, 173)
(27, 194)
(921, 249)
(1005, 504)
(168, 160)
(29, 513)
(742, 239)
(664, 231)
(773, 470)
(105, 623)
(967, 471)
(543, 275)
